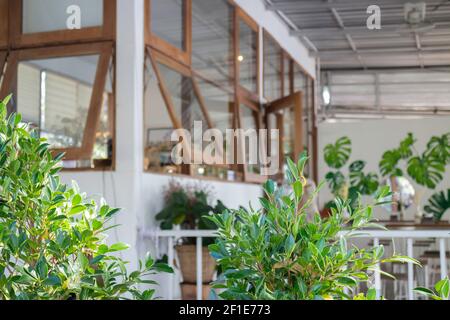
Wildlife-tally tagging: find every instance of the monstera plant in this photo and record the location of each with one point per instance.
(336, 157)
(426, 169)
(52, 237)
(438, 204)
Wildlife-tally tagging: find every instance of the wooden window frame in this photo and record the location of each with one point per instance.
(3, 56)
(158, 57)
(294, 101)
(18, 39)
(105, 52)
(4, 24)
(181, 55)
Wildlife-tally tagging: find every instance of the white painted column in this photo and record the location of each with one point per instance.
(409, 245)
(129, 123)
(376, 243)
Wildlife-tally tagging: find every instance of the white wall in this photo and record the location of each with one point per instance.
(371, 138)
(280, 31)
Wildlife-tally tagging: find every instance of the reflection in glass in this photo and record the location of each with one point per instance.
(247, 57)
(212, 40)
(51, 15)
(167, 21)
(55, 95)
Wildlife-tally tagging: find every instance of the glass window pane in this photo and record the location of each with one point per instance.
(158, 126)
(272, 69)
(220, 107)
(249, 120)
(167, 20)
(185, 102)
(55, 94)
(52, 15)
(247, 57)
(287, 75)
(212, 39)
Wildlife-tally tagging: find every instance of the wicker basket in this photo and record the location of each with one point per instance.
(189, 291)
(187, 258)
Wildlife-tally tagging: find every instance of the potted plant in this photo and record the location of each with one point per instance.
(186, 207)
(358, 183)
(426, 169)
(52, 238)
(276, 253)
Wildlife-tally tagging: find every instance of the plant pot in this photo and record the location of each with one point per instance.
(188, 262)
(189, 291)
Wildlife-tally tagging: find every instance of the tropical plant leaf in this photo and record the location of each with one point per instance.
(426, 170)
(439, 147)
(438, 204)
(389, 162)
(335, 181)
(337, 154)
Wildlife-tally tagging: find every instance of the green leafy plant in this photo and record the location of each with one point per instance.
(336, 155)
(187, 206)
(442, 290)
(52, 238)
(439, 147)
(391, 158)
(359, 183)
(426, 169)
(438, 204)
(276, 253)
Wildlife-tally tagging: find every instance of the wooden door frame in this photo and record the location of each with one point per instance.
(104, 32)
(105, 52)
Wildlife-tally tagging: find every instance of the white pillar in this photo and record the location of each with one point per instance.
(129, 123)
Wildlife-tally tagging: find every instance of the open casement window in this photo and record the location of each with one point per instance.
(4, 18)
(285, 115)
(247, 55)
(172, 101)
(168, 27)
(67, 93)
(250, 121)
(221, 109)
(37, 22)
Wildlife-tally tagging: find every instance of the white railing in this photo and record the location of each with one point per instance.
(171, 236)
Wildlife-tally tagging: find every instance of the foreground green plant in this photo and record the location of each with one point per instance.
(275, 253)
(442, 290)
(52, 239)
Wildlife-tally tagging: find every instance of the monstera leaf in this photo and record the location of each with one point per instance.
(336, 155)
(438, 204)
(357, 166)
(389, 162)
(405, 149)
(335, 181)
(364, 183)
(426, 170)
(439, 147)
